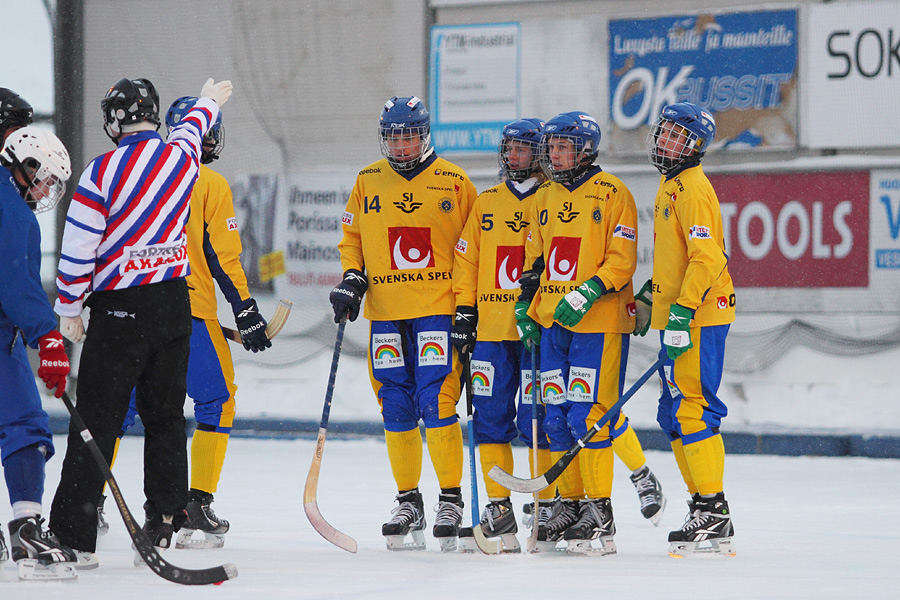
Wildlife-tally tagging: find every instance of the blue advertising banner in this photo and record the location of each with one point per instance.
(474, 85)
(742, 67)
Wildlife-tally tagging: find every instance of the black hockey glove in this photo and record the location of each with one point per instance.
(464, 327)
(531, 280)
(252, 327)
(347, 296)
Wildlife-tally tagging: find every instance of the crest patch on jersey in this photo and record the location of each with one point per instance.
(509, 267)
(433, 348)
(387, 351)
(596, 216)
(552, 387)
(347, 218)
(563, 262)
(446, 205)
(628, 233)
(410, 248)
(581, 384)
(482, 377)
(232, 223)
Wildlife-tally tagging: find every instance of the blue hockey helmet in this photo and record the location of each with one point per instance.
(687, 131)
(213, 142)
(528, 133)
(582, 130)
(405, 132)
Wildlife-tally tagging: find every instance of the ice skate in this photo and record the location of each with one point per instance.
(86, 560)
(595, 522)
(563, 516)
(446, 523)
(160, 531)
(201, 520)
(649, 490)
(38, 554)
(408, 519)
(102, 523)
(708, 530)
(499, 521)
(4, 553)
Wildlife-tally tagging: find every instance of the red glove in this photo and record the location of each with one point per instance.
(54, 362)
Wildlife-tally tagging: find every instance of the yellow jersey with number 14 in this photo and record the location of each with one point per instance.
(400, 229)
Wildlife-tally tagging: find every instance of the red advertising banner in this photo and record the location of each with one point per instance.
(793, 230)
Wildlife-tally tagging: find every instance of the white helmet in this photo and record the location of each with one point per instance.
(43, 162)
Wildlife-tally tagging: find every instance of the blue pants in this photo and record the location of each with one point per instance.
(415, 372)
(501, 385)
(689, 407)
(582, 375)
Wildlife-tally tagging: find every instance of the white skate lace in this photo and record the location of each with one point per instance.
(592, 514)
(566, 516)
(646, 489)
(405, 513)
(448, 513)
(487, 517)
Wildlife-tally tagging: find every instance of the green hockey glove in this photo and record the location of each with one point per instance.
(576, 303)
(529, 330)
(643, 304)
(677, 336)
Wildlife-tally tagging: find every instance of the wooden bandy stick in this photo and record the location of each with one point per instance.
(274, 326)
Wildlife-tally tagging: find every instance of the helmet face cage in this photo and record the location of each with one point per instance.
(681, 134)
(14, 111)
(519, 154)
(582, 131)
(127, 102)
(405, 132)
(44, 164)
(213, 141)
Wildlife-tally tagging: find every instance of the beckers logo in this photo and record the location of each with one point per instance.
(410, 248)
(432, 348)
(386, 351)
(509, 267)
(563, 262)
(482, 377)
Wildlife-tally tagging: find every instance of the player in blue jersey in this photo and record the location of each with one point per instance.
(34, 167)
(125, 241)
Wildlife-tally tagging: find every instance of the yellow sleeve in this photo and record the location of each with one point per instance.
(698, 216)
(350, 245)
(620, 262)
(222, 244)
(465, 260)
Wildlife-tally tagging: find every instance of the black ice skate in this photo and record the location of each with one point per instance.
(499, 521)
(4, 553)
(201, 518)
(545, 509)
(38, 554)
(449, 515)
(409, 518)
(563, 516)
(595, 522)
(102, 523)
(707, 530)
(160, 530)
(649, 491)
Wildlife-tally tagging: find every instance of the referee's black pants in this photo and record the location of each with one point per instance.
(137, 338)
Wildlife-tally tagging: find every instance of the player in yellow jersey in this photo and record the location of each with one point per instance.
(692, 306)
(402, 221)
(583, 252)
(214, 249)
(490, 255)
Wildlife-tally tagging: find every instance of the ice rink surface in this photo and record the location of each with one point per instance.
(806, 527)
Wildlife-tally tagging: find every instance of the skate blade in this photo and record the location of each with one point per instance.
(586, 548)
(448, 544)
(396, 543)
(467, 544)
(655, 519)
(718, 547)
(545, 547)
(187, 541)
(509, 543)
(31, 570)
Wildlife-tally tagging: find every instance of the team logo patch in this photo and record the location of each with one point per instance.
(432, 348)
(666, 213)
(526, 386)
(631, 308)
(347, 218)
(628, 233)
(722, 302)
(698, 232)
(581, 384)
(386, 351)
(410, 248)
(232, 223)
(509, 267)
(461, 246)
(446, 205)
(552, 390)
(482, 377)
(596, 216)
(563, 262)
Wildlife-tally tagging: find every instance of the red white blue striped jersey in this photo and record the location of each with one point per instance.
(126, 224)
